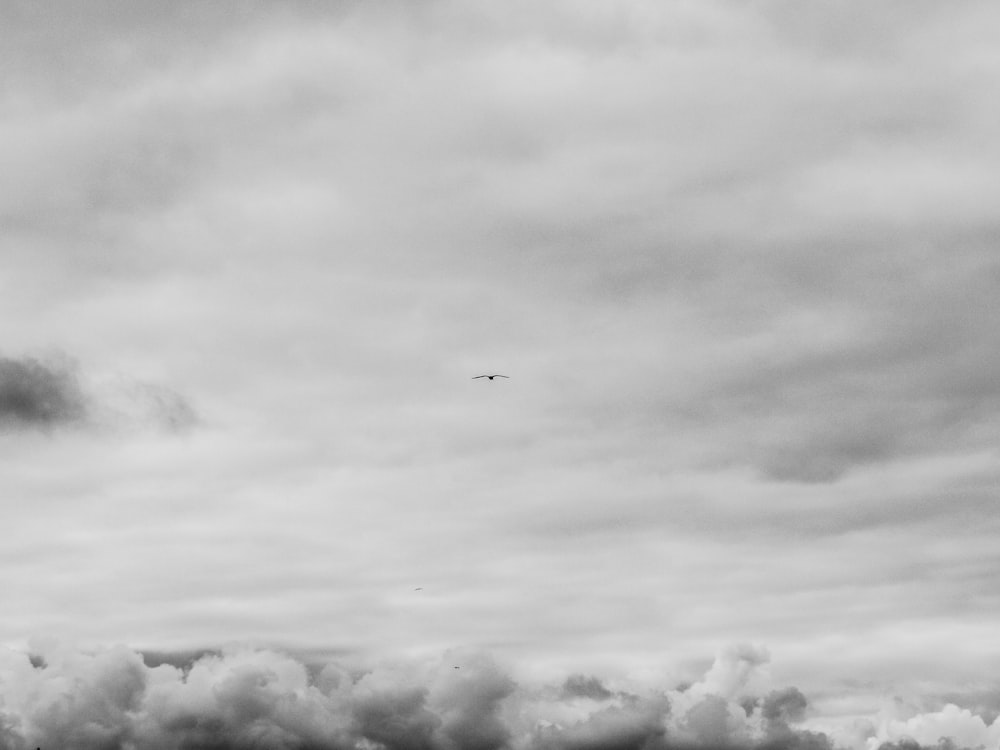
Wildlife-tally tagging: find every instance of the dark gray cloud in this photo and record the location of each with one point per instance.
(182, 660)
(637, 725)
(397, 718)
(784, 707)
(585, 687)
(908, 743)
(34, 394)
(797, 740)
(707, 722)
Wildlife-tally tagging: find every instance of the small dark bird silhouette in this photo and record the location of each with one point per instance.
(491, 376)
(419, 588)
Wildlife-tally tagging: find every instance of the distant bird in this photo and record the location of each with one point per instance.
(419, 588)
(491, 376)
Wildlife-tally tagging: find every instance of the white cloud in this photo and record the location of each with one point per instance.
(957, 724)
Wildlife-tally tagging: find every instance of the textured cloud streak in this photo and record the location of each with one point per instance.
(46, 395)
(247, 698)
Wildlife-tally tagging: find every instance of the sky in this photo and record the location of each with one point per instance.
(738, 259)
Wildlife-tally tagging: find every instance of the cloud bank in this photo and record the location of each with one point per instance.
(261, 698)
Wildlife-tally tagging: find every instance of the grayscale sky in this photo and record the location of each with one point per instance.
(739, 259)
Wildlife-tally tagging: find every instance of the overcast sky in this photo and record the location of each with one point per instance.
(739, 260)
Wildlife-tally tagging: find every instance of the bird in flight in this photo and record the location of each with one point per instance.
(419, 588)
(491, 376)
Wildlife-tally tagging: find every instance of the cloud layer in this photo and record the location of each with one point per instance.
(247, 698)
(738, 258)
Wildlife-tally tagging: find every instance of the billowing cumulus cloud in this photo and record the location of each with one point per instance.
(246, 698)
(733, 669)
(242, 697)
(945, 729)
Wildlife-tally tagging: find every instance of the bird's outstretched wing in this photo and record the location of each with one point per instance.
(491, 376)
(480, 376)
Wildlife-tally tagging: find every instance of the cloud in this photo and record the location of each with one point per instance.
(712, 722)
(39, 395)
(469, 701)
(74, 699)
(632, 726)
(708, 235)
(396, 717)
(587, 687)
(46, 395)
(126, 403)
(603, 143)
(244, 697)
(784, 707)
(945, 729)
(734, 668)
